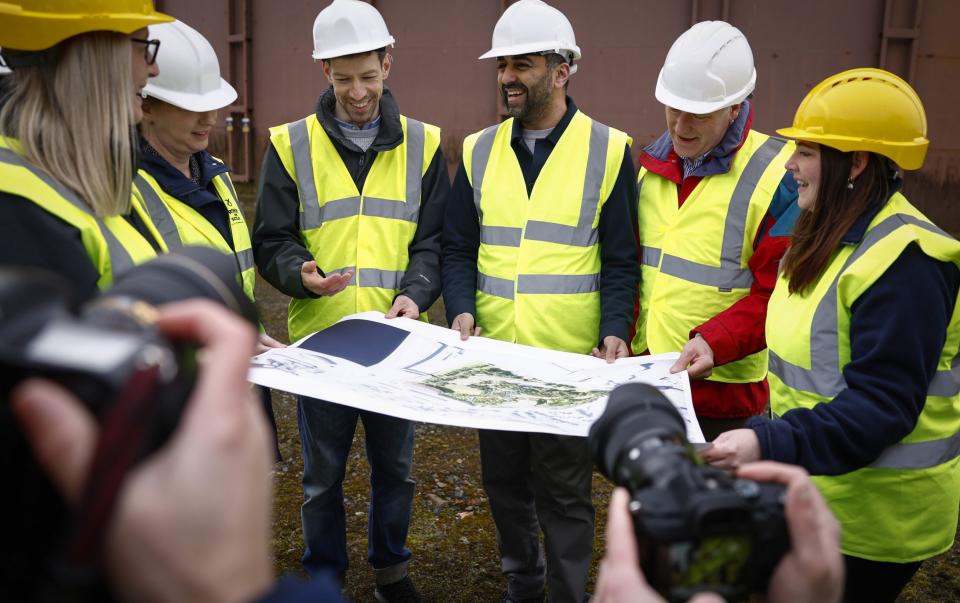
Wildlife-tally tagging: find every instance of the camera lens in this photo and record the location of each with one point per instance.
(635, 413)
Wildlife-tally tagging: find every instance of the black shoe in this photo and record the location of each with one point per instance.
(401, 591)
(506, 598)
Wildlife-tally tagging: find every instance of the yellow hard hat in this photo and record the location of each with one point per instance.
(40, 24)
(864, 110)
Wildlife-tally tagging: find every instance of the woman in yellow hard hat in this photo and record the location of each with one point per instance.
(67, 139)
(863, 330)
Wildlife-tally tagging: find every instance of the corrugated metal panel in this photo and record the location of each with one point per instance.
(438, 78)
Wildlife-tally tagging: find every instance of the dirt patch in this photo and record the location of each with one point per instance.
(452, 535)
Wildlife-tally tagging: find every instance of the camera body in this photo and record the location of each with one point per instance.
(697, 528)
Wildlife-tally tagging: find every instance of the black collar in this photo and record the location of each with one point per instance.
(554, 136)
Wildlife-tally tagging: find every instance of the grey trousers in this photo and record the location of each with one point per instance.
(534, 482)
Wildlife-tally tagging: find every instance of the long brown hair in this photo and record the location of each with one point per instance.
(73, 119)
(818, 232)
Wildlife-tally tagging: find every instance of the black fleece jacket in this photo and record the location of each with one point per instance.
(278, 248)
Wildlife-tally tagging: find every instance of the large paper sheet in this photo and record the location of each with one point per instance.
(410, 369)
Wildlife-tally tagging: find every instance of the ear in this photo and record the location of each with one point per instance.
(859, 163)
(734, 112)
(326, 70)
(562, 76)
(387, 63)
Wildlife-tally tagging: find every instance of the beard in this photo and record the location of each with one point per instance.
(536, 102)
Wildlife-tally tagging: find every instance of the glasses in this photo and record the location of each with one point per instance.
(150, 49)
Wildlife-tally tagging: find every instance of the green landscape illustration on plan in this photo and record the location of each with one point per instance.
(484, 384)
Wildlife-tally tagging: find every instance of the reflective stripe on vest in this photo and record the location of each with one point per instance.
(120, 259)
(159, 213)
(539, 263)
(367, 231)
(826, 379)
(314, 215)
(581, 235)
(729, 275)
(180, 224)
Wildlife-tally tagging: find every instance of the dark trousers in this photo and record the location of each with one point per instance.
(326, 434)
(538, 481)
(876, 581)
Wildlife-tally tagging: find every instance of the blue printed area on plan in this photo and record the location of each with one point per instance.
(361, 341)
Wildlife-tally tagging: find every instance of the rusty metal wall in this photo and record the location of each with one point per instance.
(437, 77)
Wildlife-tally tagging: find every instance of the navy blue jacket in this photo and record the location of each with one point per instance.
(897, 331)
(201, 197)
(620, 271)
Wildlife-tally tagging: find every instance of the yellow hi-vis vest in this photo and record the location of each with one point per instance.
(179, 224)
(695, 258)
(368, 232)
(903, 506)
(538, 265)
(112, 244)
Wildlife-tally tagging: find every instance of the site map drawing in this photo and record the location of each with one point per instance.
(422, 372)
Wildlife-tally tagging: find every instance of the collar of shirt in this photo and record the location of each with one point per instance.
(716, 161)
(367, 126)
(516, 135)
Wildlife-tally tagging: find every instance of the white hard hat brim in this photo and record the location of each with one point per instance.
(208, 101)
(701, 107)
(343, 51)
(518, 49)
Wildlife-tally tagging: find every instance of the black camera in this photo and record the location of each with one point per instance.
(135, 382)
(698, 529)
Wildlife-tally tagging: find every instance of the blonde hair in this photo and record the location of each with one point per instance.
(73, 118)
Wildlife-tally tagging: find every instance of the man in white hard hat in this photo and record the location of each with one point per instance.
(540, 249)
(716, 210)
(348, 220)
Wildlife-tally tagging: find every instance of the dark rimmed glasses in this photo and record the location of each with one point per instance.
(150, 49)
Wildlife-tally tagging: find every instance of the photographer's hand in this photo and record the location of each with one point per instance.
(696, 357)
(733, 448)
(812, 570)
(192, 522)
(620, 579)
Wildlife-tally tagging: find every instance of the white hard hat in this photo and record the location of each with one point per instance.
(348, 27)
(709, 67)
(532, 26)
(189, 71)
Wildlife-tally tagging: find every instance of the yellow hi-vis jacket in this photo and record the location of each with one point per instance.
(695, 258)
(112, 244)
(179, 224)
(369, 231)
(538, 265)
(903, 506)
